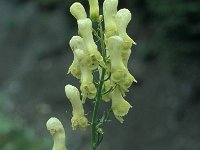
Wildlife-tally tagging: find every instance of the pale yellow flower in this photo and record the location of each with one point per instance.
(109, 11)
(56, 129)
(76, 42)
(120, 106)
(119, 73)
(78, 11)
(94, 10)
(85, 30)
(88, 89)
(78, 118)
(122, 19)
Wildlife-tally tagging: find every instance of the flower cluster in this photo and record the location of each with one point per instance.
(112, 57)
(100, 62)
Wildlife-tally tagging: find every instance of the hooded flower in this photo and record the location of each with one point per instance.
(94, 10)
(88, 89)
(109, 11)
(120, 106)
(78, 118)
(122, 19)
(56, 129)
(76, 42)
(119, 73)
(78, 11)
(85, 30)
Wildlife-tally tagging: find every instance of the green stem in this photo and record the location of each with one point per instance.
(99, 92)
(95, 111)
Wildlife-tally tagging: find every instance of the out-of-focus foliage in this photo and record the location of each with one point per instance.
(173, 27)
(16, 135)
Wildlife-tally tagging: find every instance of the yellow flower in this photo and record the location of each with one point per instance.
(85, 30)
(117, 67)
(109, 11)
(78, 11)
(56, 129)
(120, 106)
(122, 19)
(94, 10)
(119, 73)
(88, 89)
(76, 42)
(78, 118)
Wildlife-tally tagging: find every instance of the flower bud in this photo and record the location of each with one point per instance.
(78, 118)
(109, 11)
(56, 129)
(94, 10)
(120, 106)
(85, 30)
(78, 11)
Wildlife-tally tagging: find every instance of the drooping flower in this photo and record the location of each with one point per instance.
(78, 118)
(120, 106)
(56, 129)
(78, 11)
(94, 10)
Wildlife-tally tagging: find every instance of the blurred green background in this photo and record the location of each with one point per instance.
(34, 57)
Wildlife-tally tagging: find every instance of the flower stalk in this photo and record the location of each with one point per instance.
(101, 66)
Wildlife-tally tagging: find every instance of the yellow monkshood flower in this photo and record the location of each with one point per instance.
(56, 129)
(123, 17)
(114, 47)
(94, 10)
(109, 12)
(120, 106)
(78, 118)
(76, 42)
(119, 73)
(78, 11)
(85, 30)
(88, 89)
